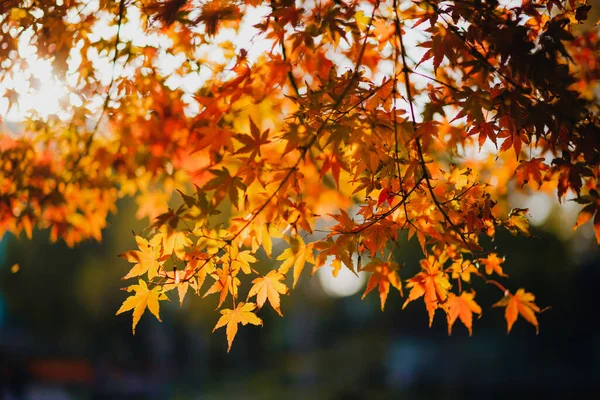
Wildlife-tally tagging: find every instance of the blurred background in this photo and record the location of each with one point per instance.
(60, 338)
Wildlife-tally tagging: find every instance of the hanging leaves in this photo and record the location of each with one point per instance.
(337, 158)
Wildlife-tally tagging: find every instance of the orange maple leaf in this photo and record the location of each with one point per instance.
(175, 242)
(225, 283)
(383, 275)
(492, 264)
(462, 307)
(531, 170)
(431, 283)
(517, 222)
(522, 303)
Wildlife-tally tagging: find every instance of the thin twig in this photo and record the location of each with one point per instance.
(306, 148)
(88, 143)
(418, 139)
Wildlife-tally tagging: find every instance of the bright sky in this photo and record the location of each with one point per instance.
(44, 97)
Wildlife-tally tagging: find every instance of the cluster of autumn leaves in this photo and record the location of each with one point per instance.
(280, 143)
(224, 265)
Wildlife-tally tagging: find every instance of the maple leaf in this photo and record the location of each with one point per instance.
(223, 183)
(340, 250)
(225, 283)
(377, 236)
(175, 242)
(383, 31)
(335, 163)
(436, 49)
(531, 171)
(385, 196)
(588, 212)
(182, 280)
(383, 274)
(432, 283)
(264, 238)
(463, 269)
(486, 130)
(142, 299)
(521, 303)
(517, 222)
(241, 260)
(512, 137)
(492, 264)
(243, 314)
(147, 259)
(253, 142)
(269, 287)
(458, 177)
(296, 255)
(462, 307)
(569, 175)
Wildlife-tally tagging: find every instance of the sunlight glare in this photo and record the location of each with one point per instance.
(345, 284)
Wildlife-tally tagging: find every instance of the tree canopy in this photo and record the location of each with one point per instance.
(330, 126)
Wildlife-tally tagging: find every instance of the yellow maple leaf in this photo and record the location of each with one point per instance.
(492, 264)
(263, 232)
(297, 255)
(517, 223)
(225, 283)
(463, 269)
(243, 314)
(241, 260)
(142, 299)
(146, 259)
(269, 287)
(182, 280)
(175, 242)
(462, 307)
(458, 177)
